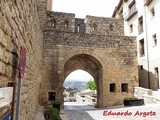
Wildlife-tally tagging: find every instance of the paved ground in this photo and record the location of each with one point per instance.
(74, 111)
(39, 113)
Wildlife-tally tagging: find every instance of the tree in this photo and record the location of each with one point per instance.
(91, 85)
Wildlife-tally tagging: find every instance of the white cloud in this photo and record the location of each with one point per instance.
(82, 8)
(79, 75)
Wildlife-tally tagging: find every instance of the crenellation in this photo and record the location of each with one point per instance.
(74, 50)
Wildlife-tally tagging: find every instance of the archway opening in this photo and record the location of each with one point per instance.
(89, 64)
(80, 88)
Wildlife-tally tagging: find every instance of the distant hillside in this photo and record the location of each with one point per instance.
(80, 85)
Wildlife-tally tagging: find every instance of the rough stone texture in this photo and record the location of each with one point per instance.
(104, 26)
(101, 50)
(62, 21)
(42, 10)
(19, 26)
(108, 58)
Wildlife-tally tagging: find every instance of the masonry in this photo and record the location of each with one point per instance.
(20, 26)
(57, 44)
(93, 44)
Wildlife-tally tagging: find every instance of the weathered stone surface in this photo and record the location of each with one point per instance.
(19, 26)
(98, 47)
(106, 54)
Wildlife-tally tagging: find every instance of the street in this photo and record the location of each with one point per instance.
(75, 111)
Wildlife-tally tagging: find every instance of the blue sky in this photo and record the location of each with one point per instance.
(102, 8)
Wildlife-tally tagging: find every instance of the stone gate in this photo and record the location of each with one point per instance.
(94, 44)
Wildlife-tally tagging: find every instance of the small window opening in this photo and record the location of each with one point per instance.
(111, 27)
(156, 71)
(112, 87)
(141, 48)
(141, 67)
(131, 28)
(66, 24)
(52, 96)
(152, 12)
(94, 27)
(154, 37)
(53, 23)
(78, 29)
(124, 87)
(140, 25)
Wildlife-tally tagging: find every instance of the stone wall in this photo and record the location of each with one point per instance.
(109, 59)
(149, 77)
(60, 21)
(104, 26)
(19, 26)
(42, 10)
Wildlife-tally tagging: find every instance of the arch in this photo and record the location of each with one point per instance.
(89, 64)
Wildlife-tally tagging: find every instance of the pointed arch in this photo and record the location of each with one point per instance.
(89, 64)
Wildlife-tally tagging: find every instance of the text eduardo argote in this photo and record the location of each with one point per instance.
(128, 113)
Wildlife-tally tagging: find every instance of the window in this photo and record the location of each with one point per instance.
(152, 12)
(53, 23)
(94, 27)
(124, 87)
(66, 24)
(121, 13)
(112, 87)
(132, 7)
(52, 96)
(132, 11)
(111, 27)
(130, 28)
(78, 28)
(11, 84)
(154, 38)
(147, 2)
(141, 48)
(140, 25)
(156, 72)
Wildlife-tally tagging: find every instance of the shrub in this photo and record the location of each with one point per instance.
(52, 114)
(130, 98)
(56, 104)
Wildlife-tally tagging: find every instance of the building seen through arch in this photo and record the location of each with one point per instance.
(75, 88)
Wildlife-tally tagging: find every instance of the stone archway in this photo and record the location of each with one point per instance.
(92, 66)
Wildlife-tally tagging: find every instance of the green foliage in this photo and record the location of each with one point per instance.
(52, 114)
(55, 102)
(130, 98)
(91, 85)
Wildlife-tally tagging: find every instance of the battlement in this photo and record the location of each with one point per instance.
(90, 25)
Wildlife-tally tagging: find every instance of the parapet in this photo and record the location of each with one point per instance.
(104, 26)
(90, 25)
(60, 21)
